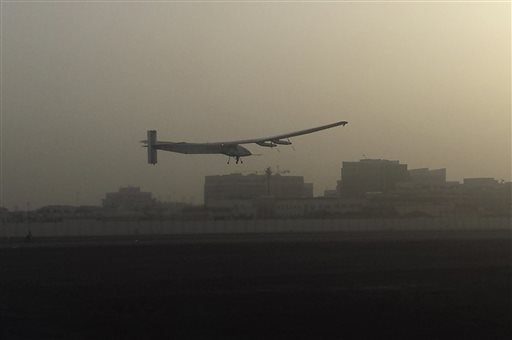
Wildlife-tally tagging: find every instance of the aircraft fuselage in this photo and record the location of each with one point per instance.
(232, 150)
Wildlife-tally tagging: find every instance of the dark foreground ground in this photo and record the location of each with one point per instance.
(409, 286)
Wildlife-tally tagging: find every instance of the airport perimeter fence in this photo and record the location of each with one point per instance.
(77, 228)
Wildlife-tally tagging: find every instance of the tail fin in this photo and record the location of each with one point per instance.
(151, 142)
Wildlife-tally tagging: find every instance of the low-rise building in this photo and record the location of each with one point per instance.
(234, 208)
(55, 212)
(4, 215)
(253, 186)
(371, 175)
(129, 199)
(427, 176)
(88, 212)
(480, 183)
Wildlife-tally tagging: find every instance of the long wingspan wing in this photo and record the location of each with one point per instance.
(285, 135)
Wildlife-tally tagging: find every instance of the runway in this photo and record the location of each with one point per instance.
(325, 285)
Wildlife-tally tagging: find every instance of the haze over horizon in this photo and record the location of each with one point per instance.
(424, 83)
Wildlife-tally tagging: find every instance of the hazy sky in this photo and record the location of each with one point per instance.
(425, 83)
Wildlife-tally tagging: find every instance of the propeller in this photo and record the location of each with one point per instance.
(293, 147)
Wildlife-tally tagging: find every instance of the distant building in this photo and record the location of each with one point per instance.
(129, 199)
(308, 190)
(371, 175)
(452, 184)
(428, 177)
(233, 208)
(331, 193)
(56, 212)
(4, 214)
(240, 187)
(171, 209)
(480, 182)
(488, 195)
(88, 212)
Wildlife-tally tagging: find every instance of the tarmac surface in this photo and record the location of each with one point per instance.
(399, 285)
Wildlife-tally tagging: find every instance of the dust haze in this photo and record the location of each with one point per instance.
(425, 83)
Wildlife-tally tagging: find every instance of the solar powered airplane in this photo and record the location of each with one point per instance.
(230, 148)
